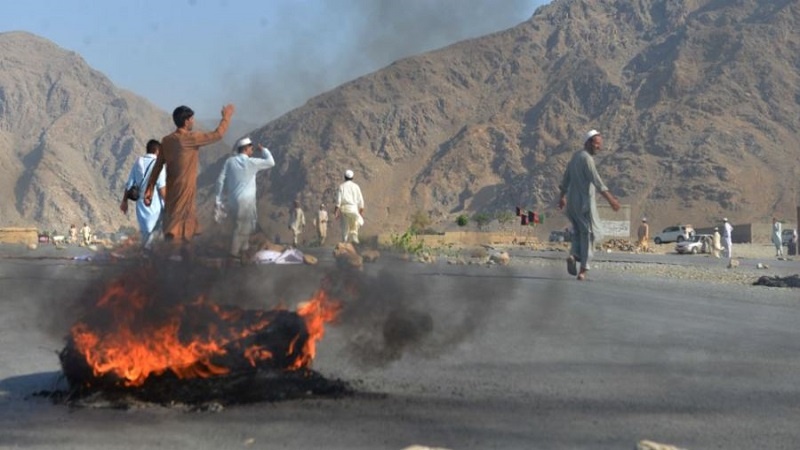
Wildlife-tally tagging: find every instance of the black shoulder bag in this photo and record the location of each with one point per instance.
(134, 192)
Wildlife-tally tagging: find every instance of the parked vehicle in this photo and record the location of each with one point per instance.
(698, 243)
(677, 233)
(786, 236)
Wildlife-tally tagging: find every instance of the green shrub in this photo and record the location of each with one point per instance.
(481, 219)
(420, 221)
(504, 217)
(408, 242)
(462, 220)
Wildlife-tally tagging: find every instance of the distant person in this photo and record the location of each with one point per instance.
(578, 187)
(180, 152)
(643, 233)
(148, 216)
(777, 237)
(297, 221)
(716, 245)
(727, 231)
(238, 180)
(350, 207)
(86, 234)
(321, 222)
(73, 234)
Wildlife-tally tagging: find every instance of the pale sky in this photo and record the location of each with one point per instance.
(265, 56)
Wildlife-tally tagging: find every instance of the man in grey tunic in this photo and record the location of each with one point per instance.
(578, 187)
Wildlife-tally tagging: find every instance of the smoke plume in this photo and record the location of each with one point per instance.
(342, 40)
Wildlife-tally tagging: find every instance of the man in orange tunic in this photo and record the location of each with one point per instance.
(180, 152)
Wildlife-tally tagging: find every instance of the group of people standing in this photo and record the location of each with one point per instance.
(82, 237)
(349, 208)
(166, 176)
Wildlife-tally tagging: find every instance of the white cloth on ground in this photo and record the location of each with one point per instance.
(288, 256)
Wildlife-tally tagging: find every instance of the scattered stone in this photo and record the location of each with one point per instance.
(32, 246)
(734, 263)
(479, 253)
(650, 445)
(310, 260)
(501, 258)
(762, 266)
(426, 258)
(621, 245)
(346, 255)
(422, 447)
(370, 255)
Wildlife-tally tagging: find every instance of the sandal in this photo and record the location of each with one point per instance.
(572, 267)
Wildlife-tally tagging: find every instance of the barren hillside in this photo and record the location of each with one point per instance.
(698, 101)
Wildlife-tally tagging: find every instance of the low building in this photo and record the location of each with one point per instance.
(27, 236)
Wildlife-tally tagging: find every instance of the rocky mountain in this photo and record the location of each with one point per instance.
(698, 101)
(68, 138)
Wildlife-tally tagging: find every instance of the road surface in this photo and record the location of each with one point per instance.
(522, 357)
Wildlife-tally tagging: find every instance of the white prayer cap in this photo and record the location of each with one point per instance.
(243, 142)
(591, 134)
(644, 219)
(348, 174)
(725, 219)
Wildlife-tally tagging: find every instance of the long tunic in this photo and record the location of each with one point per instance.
(147, 216)
(179, 151)
(581, 182)
(349, 198)
(643, 232)
(297, 220)
(777, 239)
(238, 179)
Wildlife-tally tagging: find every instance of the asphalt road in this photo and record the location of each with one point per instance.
(519, 358)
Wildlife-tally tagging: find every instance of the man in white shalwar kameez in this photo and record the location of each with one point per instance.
(578, 187)
(777, 237)
(148, 217)
(238, 180)
(350, 206)
(297, 221)
(727, 239)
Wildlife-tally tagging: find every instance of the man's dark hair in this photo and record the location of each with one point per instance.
(181, 115)
(153, 146)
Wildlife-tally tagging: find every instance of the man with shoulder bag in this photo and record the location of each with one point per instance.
(148, 217)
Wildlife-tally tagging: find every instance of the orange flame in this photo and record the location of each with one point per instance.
(133, 350)
(316, 312)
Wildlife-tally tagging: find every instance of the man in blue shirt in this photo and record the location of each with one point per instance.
(238, 180)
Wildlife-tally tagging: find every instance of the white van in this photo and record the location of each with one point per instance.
(677, 233)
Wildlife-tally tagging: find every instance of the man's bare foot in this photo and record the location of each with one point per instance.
(582, 276)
